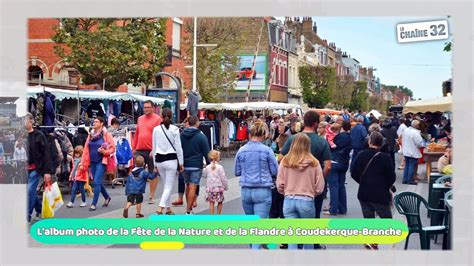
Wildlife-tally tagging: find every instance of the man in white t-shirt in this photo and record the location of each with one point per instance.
(412, 142)
(400, 131)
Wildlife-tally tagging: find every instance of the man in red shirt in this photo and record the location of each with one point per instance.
(142, 141)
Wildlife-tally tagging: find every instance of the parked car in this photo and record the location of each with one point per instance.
(246, 73)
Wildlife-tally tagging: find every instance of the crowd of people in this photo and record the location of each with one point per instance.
(12, 156)
(285, 169)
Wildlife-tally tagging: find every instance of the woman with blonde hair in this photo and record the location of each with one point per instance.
(255, 164)
(300, 179)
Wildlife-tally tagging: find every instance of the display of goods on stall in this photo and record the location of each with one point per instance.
(436, 147)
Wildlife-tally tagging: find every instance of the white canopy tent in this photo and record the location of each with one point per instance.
(376, 113)
(90, 94)
(442, 105)
(245, 106)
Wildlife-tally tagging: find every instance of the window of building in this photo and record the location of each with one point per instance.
(281, 75)
(35, 73)
(277, 77)
(63, 77)
(291, 76)
(177, 25)
(74, 77)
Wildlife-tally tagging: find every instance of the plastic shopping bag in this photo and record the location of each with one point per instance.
(46, 210)
(57, 197)
(52, 200)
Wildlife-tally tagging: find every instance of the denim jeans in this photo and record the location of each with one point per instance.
(193, 177)
(298, 208)
(34, 202)
(78, 186)
(257, 201)
(409, 171)
(337, 188)
(98, 170)
(182, 186)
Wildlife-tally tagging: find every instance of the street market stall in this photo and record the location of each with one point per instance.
(60, 94)
(69, 112)
(228, 124)
(76, 106)
(247, 106)
(442, 105)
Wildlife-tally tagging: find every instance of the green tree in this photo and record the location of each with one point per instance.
(359, 100)
(318, 84)
(394, 88)
(406, 91)
(388, 103)
(216, 65)
(376, 102)
(447, 46)
(113, 49)
(341, 96)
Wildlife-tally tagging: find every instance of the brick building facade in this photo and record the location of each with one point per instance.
(45, 67)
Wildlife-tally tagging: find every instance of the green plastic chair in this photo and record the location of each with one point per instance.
(448, 195)
(408, 204)
(443, 179)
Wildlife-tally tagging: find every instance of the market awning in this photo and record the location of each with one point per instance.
(91, 94)
(431, 105)
(327, 111)
(245, 106)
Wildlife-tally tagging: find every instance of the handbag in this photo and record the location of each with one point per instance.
(170, 144)
(367, 166)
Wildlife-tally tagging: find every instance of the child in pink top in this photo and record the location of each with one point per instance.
(216, 182)
(331, 132)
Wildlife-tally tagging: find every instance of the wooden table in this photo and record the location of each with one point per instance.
(429, 158)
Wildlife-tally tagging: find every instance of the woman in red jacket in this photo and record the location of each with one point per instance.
(97, 149)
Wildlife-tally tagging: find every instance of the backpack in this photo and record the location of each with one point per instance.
(123, 152)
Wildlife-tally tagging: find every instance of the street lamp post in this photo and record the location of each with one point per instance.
(194, 53)
(195, 46)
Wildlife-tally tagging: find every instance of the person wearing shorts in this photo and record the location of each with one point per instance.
(195, 148)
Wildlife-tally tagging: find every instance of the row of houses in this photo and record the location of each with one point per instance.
(284, 46)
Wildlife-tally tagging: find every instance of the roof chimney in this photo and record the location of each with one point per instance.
(315, 28)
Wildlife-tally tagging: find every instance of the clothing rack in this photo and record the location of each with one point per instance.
(121, 134)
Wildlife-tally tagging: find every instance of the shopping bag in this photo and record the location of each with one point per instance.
(57, 197)
(52, 200)
(46, 210)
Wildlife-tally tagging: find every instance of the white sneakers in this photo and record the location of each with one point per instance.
(71, 205)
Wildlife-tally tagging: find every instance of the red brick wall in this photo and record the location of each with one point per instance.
(41, 28)
(45, 53)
